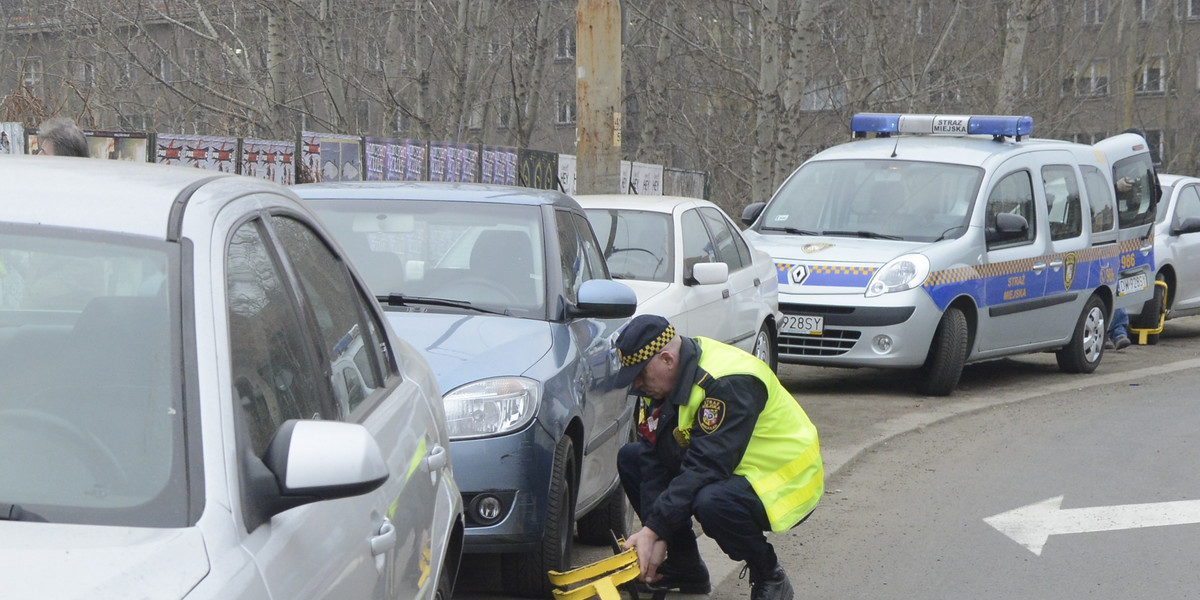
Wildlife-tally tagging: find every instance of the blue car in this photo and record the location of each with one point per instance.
(505, 292)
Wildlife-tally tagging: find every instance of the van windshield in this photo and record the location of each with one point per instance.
(915, 201)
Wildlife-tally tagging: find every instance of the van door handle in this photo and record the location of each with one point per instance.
(724, 294)
(1039, 267)
(436, 461)
(1056, 264)
(386, 540)
(1146, 248)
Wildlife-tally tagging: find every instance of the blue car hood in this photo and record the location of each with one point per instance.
(464, 348)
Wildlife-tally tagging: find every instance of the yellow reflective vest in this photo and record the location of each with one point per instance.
(783, 459)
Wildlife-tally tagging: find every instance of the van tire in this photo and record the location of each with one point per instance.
(1083, 353)
(525, 574)
(947, 354)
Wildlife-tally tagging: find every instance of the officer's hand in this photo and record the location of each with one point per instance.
(1124, 184)
(651, 551)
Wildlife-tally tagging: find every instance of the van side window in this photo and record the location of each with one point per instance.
(1012, 195)
(1063, 205)
(1099, 197)
(1134, 181)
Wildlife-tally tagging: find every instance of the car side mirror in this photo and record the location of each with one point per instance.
(603, 299)
(751, 212)
(1187, 225)
(709, 273)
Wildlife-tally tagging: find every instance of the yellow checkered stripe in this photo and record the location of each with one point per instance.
(1010, 267)
(843, 270)
(649, 350)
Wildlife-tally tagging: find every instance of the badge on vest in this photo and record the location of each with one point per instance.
(712, 413)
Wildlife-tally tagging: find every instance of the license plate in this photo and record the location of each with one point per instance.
(1129, 285)
(802, 324)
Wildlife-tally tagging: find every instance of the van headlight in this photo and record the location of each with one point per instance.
(491, 406)
(899, 274)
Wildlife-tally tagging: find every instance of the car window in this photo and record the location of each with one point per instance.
(730, 246)
(1099, 197)
(1133, 179)
(1188, 204)
(1063, 205)
(273, 375)
(351, 345)
(1013, 194)
(591, 249)
(636, 244)
(579, 253)
(697, 247)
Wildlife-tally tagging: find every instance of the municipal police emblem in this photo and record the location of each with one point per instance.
(712, 413)
(1068, 270)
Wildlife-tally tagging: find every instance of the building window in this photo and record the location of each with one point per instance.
(475, 120)
(1145, 9)
(1094, 11)
(564, 108)
(504, 113)
(1090, 82)
(166, 70)
(195, 62)
(923, 18)
(1193, 8)
(744, 28)
(87, 75)
(31, 71)
(564, 45)
(125, 73)
(1150, 77)
(823, 94)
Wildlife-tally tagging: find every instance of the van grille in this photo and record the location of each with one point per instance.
(833, 342)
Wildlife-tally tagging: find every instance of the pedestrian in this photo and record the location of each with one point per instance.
(720, 440)
(60, 136)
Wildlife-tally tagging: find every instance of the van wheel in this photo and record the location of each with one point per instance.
(939, 375)
(1082, 354)
(1152, 312)
(525, 574)
(764, 347)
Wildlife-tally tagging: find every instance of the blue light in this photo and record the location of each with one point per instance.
(881, 123)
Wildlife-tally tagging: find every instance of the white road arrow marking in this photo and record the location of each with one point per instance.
(1032, 525)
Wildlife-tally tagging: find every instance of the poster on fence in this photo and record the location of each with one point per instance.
(566, 173)
(394, 159)
(537, 169)
(641, 178)
(678, 182)
(115, 145)
(453, 161)
(495, 166)
(12, 137)
(199, 151)
(269, 159)
(328, 157)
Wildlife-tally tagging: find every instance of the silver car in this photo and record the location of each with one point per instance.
(1176, 256)
(201, 399)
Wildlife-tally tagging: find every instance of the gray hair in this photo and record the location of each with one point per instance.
(65, 136)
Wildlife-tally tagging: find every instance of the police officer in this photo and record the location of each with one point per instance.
(721, 440)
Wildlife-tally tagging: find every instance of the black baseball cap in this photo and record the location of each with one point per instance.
(641, 339)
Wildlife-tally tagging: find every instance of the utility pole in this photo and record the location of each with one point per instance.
(598, 96)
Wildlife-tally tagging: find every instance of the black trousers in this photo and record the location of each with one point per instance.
(729, 512)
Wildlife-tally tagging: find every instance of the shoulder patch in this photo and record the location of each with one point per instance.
(711, 414)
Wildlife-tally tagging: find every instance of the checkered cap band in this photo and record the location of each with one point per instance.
(650, 349)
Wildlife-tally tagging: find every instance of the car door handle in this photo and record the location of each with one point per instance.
(1039, 267)
(436, 461)
(386, 540)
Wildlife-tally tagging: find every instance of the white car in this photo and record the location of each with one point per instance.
(687, 261)
(201, 399)
(1176, 254)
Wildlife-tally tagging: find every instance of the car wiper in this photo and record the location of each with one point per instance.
(792, 230)
(13, 512)
(864, 234)
(402, 300)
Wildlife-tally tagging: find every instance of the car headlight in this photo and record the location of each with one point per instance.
(491, 406)
(899, 274)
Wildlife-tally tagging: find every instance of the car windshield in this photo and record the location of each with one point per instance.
(489, 255)
(915, 201)
(637, 244)
(91, 419)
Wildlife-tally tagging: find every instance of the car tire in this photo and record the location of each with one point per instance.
(525, 574)
(613, 517)
(947, 354)
(1083, 353)
(764, 347)
(1152, 312)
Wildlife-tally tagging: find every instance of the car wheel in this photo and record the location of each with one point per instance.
(1153, 312)
(525, 574)
(614, 517)
(764, 347)
(1082, 354)
(943, 367)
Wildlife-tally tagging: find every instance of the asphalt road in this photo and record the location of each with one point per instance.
(865, 414)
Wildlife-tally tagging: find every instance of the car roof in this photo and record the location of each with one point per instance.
(637, 202)
(103, 195)
(433, 190)
(971, 150)
(1170, 179)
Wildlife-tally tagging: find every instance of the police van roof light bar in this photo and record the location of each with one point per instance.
(884, 124)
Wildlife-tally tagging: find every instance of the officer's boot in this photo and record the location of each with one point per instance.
(770, 583)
